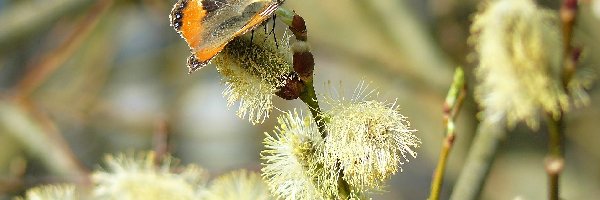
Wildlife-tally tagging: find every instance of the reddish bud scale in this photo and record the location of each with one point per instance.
(292, 89)
(576, 54)
(304, 64)
(449, 141)
(570, 4)
(298, 28)
(568, 11)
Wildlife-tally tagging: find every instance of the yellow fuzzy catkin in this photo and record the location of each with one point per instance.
(291, 160)
(520, 56)
(253, 71)
(368, 140)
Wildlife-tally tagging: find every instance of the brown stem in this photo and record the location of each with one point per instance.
(568, 14)
(555, 157)
(161, 141)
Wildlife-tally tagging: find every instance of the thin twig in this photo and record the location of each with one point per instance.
(13, 180)
(309, 98)
(161, 141)
(304, 66)
(452, 106)
(568, 14)
(554, 163)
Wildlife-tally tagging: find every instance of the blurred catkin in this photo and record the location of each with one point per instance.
(596, 8)
(238, 185)
(520, 57)
(130, 177)
(51, 192)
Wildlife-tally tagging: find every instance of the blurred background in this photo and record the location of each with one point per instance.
(83, 78)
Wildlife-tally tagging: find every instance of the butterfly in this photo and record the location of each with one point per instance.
(208, 25)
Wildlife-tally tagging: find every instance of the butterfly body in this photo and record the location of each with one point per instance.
(208, 25)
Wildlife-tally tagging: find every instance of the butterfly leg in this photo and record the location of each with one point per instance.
(273, 31)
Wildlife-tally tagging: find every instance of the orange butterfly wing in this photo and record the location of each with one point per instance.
(208, 25)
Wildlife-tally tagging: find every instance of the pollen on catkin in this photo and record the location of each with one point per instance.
(291, 160)
(51, 192)
(367, 140)
(238, 185)
(253, 69)
(128, 177)
(520, 56)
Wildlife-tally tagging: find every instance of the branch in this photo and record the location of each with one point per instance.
(478, 163)
(303, 62)
(452, 105)
(554, 163)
